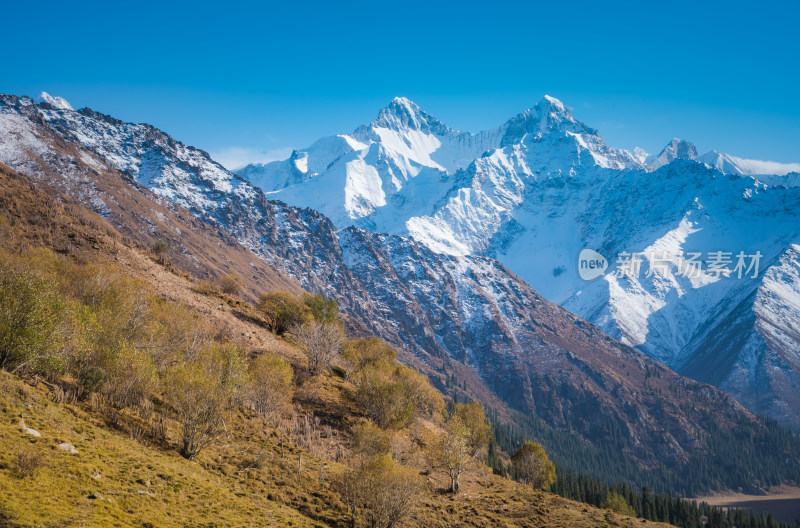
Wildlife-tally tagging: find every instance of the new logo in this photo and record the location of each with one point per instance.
(591, 264)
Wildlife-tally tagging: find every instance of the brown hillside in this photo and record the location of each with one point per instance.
(119, 476)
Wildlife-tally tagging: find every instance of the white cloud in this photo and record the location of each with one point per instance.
(233, 158)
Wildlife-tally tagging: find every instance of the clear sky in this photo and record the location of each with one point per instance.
(249, 81)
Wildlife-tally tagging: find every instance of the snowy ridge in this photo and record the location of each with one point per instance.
(401, 165)
(149, 156)
(725, 163)
(528, 208)
(675, 149)
(438, 308)
(550, 187)
(399, 161)
(746, 167)
(58, 103)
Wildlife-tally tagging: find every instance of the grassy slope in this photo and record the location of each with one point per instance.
(212, 491)
(109, 464)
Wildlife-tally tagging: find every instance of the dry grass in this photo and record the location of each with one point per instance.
(240, 481)
(27, 462)
(127, 471)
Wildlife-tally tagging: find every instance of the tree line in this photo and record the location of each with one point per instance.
(671, 509)
(737, 457)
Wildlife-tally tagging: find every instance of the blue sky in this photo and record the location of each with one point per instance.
(253, 80)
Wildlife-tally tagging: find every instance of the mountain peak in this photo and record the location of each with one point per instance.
(685, 149)
(552, 102)
(404, 101)
(548, 115)
(675, 149)
(59, 103)
(402, 113)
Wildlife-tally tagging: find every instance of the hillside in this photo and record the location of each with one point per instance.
(86, 461)
(466, 318)
(546, 186)
(135, 212)
(114, 480)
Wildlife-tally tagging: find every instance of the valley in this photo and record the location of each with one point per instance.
(97, 460)
(461, 316)
(783, 502)
(548, 186)
(469, 323)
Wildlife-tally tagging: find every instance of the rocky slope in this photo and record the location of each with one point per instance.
(82, 463)
(144, 217)
(552, 187)
(445, 311)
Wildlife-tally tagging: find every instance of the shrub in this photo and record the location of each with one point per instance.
(201, 391)
(230, 284)
(131, 377)
(121, 305)
(27, 463)
(160, 250)
(392, 395)
(417, 390)
(283, 311)
(174, 329)
(532, 466)
(31, 313)
(90, 380)
(320, 342)
(380, 396)
(271, 387)
(322, 309)
(104, 354)
(361, 352)
(381, 492)
(229, 364)
(206, 287)
(369, 440)
(199, 406)
(617, 503)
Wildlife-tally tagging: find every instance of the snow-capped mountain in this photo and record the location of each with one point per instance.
(675, 149)
(747, 167)
(682, 149)
(401, 164)
(440, 309)
(59, 103)
(402, 159)
(552, 187)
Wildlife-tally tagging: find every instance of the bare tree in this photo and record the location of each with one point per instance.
(452, 450)
(321, 343)
(382, 491)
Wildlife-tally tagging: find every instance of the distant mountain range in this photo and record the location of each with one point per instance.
(537, 190)
(450, 313)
